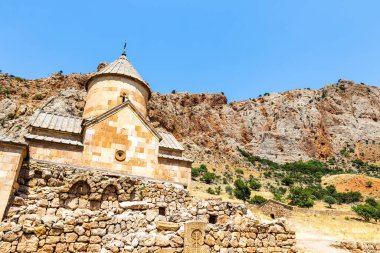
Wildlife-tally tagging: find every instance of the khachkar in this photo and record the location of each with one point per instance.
(110, 182)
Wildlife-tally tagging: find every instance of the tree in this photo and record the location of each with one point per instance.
(208, 177)
(301, 197)
(367, 212)
(329, 200)
(241, 190)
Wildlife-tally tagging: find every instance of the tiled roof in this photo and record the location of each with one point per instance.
(52, 139)
(58, 122)
(172, 157)
(121, 66)
(8, 139)
(169, 141)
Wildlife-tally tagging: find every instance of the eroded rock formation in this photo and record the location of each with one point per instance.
(288, 126)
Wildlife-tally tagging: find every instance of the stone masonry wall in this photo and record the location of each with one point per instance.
(66, 209)
(10, 162)
(360, 247)
(105, 92)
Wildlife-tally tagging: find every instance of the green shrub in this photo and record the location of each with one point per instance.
(329, 200)
(210, 191)
(203, 168)
(218, 190)
(287, 181)
(301, 197)
(367, 212)
(242, 190)
(229, 189)
(19, 79)
(214, 191)
(331, 189)
(257, 199)
(208, 177)
(347, 197)
(239, 171)
(38, 96)
(195, 172)
(6, 91)
(24, 95)
(371, 202)
(254, 184)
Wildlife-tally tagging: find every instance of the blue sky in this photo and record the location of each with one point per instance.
(243, 48)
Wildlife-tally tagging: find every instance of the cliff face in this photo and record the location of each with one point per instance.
(288, 126)
(293, 125)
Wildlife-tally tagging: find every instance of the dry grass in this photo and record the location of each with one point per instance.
(339, 227)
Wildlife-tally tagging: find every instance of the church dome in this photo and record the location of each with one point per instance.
(122, 67)
(112, 85)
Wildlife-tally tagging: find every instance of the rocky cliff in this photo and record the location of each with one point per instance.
(341, 118)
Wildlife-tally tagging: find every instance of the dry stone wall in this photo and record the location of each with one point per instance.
(64, 209)
(360, 247)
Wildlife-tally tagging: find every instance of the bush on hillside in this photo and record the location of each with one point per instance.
(367, 212)
(254, 184)
(229, 189)
(301, 197)
(347, 197)
(287, 181)
(257, 199)
(241, 190)
(329, 200)
(371, 202)
(198, 171)
(208, 177)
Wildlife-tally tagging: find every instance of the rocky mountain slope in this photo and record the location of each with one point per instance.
(340, 118)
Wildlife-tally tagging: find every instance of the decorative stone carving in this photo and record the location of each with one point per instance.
(120, 155)
(194, 237)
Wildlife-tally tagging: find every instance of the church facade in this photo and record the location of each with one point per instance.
(114, 134)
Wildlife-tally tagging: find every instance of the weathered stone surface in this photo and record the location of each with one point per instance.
(28, 243)
(110, 228)
(162, 241)
(164, 225)
(136, 205)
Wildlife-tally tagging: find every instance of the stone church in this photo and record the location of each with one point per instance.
(113, 135)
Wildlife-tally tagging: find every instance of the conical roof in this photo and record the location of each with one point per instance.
(121, 66)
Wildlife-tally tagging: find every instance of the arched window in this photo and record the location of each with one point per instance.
(109, 193)
(80, 188)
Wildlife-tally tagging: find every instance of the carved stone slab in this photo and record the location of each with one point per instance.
(194, 237)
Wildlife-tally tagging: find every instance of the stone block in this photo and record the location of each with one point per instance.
(165, 225)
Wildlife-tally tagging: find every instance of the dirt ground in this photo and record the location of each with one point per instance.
(352, 182)
(316, 232)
